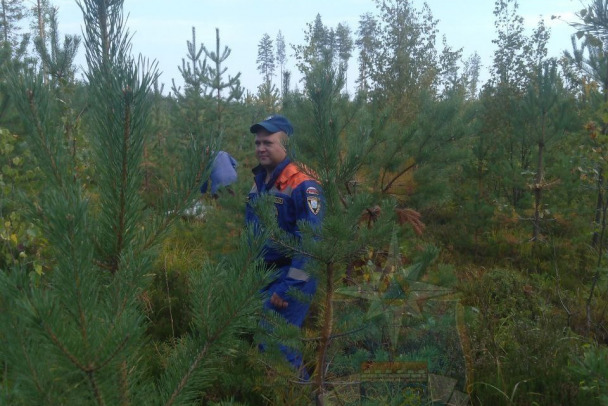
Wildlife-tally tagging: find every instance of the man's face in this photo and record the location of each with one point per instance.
(269, 148)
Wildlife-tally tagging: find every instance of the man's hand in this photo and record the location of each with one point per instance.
(277, 301)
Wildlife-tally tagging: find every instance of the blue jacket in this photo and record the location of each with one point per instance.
(223, 172)
(297, 197)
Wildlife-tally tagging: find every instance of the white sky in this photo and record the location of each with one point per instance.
(161, 28)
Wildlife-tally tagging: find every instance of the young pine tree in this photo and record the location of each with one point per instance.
(335, 152)
(76, 333)
(223, 89)
(192, 102)
(268, 94)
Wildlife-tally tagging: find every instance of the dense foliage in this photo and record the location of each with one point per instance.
(465, 233)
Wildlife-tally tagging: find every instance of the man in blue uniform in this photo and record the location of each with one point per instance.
(297, 197)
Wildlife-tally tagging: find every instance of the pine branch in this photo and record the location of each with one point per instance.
(127, 97)
(396, 177)
(30, 363)
(186, 378)
(412, 217)
(123, 384)
(73, 359)
(96, 390)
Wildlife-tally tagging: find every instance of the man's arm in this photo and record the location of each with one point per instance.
(310, 208)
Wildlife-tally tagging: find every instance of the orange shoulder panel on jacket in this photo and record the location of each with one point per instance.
(292, 176)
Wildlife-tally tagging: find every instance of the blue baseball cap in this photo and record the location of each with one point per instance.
(273, 124)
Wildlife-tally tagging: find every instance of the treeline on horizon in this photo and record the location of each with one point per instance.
(465, 229)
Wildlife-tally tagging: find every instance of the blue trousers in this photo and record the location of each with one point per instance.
(294, 313)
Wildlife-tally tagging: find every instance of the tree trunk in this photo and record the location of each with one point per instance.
(325, 337)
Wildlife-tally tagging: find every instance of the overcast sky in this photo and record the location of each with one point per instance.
(161, 28)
